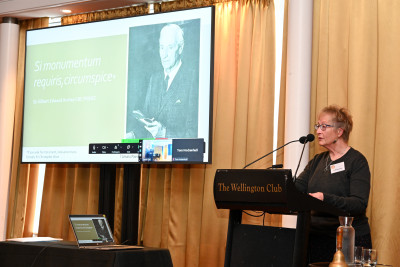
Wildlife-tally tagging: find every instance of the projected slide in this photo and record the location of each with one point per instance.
(76, 88)
(103, 84)
(85, 230)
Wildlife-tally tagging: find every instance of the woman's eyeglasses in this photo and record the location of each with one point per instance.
(322, 126)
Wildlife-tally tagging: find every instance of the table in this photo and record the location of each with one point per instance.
(326, 264)
(64, 253)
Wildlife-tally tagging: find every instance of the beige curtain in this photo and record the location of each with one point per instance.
(68, 189)
(177, 206)
(182, 4)
(106, 14)
(356, 61)
(23, 182)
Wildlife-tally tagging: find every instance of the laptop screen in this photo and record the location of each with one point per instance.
(91, 229)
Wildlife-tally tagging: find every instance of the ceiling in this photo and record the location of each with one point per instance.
(25, 9)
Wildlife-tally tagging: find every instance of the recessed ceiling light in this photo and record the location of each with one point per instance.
(66, 11)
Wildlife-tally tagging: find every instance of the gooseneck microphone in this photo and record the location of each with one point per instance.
(308, 138)
(303, 140)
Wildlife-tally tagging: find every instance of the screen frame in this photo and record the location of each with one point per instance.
(208, 144)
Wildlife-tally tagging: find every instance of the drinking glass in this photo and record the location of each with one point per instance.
(358, 254)
(369, 257)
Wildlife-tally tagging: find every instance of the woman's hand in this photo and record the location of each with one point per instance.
(318, 195)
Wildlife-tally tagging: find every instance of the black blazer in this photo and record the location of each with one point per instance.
(177, 108)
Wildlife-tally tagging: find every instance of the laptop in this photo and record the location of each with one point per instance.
(93, 232)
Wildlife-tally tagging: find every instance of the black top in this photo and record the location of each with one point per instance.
(345, 183)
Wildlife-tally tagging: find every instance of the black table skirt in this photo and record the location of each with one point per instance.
(68, 254)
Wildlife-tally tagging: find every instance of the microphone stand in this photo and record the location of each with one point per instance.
(309, 138)
(298, 165)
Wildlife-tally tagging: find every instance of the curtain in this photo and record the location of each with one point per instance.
(356, 59)
(106, 14)
(177, 207)
(23, 184)
(68, 189)
(182, 4)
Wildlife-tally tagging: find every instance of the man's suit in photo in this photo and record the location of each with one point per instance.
(176, 108)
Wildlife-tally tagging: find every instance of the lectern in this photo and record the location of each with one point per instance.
(272, 191)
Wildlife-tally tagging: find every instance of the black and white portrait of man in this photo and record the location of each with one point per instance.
(101, 229)
(163, 84)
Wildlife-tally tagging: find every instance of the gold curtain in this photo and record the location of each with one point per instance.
(23, 182)
(182, 4)
(177, 206)
(74, 189)
(106, 14)
(68, 189)
(356, 60)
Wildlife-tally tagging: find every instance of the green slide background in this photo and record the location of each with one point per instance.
(85, 234)
(97, 112)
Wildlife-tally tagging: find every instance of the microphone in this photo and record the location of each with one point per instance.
(303, 140)
(308, 138)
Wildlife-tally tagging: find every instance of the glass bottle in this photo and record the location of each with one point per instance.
(348, 237)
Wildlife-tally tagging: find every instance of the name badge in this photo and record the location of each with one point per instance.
(338, 167)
